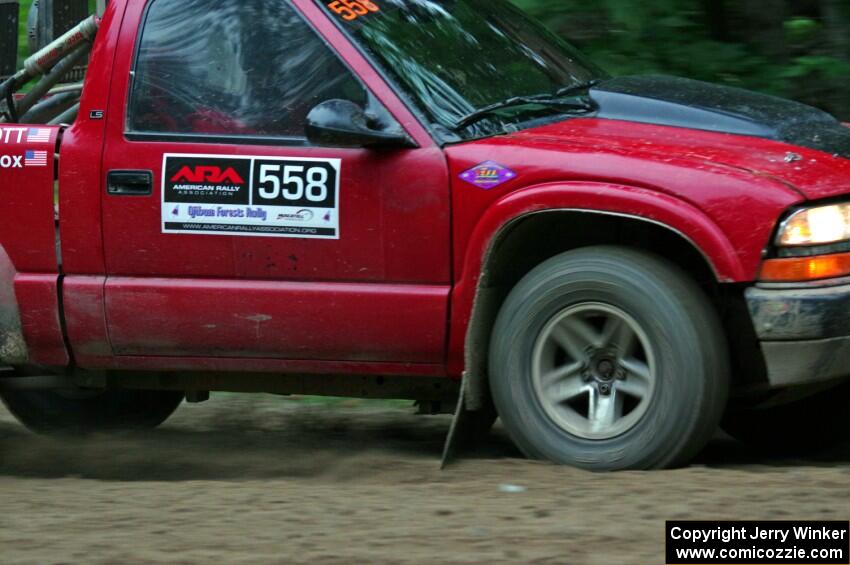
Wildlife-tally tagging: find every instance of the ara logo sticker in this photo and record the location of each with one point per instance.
(487, 175)
(208, 174)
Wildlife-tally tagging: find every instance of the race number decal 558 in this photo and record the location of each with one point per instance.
(284, 184)
(352, 9)
(251, 196)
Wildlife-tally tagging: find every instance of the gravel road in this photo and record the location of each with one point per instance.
(261, 479)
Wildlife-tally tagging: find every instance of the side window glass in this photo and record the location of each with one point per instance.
(235, 67)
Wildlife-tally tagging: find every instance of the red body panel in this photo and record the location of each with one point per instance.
(394, 294)
(322, 321)
(230, 296)
(85, 315)
(394, 222)
(28, 236)
(80, 175)
(678, 175)
(28, 227)
(38, 300)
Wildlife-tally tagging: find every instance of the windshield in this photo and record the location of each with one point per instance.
(454, 57)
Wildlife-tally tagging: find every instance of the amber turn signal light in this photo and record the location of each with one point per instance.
(800, 269)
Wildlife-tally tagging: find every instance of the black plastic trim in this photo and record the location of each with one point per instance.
(129, 183)
(800, 314)
(217, 138)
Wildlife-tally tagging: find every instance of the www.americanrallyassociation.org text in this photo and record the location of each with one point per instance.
(727, 534)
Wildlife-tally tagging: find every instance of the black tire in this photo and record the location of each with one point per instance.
(801, 427)
(684, 335)
(83, 412)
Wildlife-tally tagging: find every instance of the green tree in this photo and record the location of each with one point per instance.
(794, 48)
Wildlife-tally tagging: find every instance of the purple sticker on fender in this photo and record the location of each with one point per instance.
(487, 175)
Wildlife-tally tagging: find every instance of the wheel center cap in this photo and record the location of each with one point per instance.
(606, 369)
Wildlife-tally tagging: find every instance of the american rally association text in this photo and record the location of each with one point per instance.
(726, 535)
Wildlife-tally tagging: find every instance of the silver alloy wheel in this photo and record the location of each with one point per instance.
(593, 371)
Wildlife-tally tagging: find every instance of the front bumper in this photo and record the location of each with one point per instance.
(804, 333)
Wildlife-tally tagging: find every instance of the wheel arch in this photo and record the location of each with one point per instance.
(495, 262)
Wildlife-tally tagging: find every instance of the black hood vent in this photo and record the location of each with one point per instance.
(679, 102)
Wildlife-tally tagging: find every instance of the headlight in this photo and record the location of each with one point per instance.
(816, 226)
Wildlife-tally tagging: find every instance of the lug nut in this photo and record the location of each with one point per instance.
(604, 389)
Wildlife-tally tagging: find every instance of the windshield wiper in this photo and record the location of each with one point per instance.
(555, 100)
(577, 88)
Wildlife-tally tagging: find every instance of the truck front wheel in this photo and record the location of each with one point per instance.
(47, 411)
(609, 359)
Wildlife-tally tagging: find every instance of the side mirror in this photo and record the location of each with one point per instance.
(342, 123)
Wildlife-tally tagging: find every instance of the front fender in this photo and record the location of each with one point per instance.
(729, 264)
(13, 348)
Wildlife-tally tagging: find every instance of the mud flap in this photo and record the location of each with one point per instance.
(460, 424)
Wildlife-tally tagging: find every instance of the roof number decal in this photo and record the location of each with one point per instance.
(350, 10)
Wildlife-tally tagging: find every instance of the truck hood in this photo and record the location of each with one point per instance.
(692, 104)
(684, 126)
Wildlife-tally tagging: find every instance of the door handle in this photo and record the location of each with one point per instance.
(129, 183)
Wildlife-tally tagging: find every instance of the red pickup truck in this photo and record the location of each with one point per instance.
(409, 198)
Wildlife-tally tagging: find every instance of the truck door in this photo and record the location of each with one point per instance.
(226, 234)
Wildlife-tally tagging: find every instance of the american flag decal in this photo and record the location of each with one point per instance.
(35, 159)
(38, 135)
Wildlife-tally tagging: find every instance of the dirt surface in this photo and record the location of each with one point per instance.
(258, 479)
